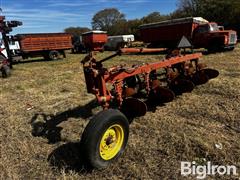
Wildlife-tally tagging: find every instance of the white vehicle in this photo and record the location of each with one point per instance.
(116, 42)
(13, 46)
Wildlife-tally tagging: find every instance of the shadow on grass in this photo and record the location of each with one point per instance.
(34, 61)
(48, 128)
(30, 61)
(69, 157)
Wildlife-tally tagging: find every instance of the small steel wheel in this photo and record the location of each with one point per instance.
(105, 138)
(111, 142)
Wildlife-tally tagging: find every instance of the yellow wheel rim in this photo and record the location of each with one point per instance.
(111, 142)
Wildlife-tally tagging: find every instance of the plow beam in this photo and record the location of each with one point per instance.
(147, 68)
(141, 50)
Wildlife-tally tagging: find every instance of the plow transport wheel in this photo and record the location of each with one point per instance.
(105, 138)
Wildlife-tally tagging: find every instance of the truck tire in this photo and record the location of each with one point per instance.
(105, 138)
(6, 72)
(214, 47)
(54, 55)
(231, 49)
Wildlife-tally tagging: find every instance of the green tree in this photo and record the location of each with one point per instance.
(106, 19)
(133, 26)
(213, 10)
(154, 17)
(76, 31)
(225, 13)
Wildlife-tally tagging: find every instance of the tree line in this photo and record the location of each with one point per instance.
(223, 12)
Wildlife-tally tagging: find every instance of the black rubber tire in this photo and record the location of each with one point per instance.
(54, 55)
(214, 47)
(6, 71)
(93, 133)
(231, 49)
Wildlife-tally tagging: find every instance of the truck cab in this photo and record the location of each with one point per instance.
(212, 37)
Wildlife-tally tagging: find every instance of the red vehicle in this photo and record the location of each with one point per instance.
(94, 40)
(48, 45)
(200, 32)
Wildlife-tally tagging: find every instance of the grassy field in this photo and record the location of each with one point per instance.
(201, 126)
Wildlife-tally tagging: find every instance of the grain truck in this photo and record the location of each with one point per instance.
(48, 45)
(199, 32)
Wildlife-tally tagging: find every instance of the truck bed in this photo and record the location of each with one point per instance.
(169, 32)
(44, 41)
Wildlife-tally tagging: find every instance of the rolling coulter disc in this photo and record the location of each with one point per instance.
(160, 95)
(180, 86)
(133, 107)
(200, 78)
(211, 73)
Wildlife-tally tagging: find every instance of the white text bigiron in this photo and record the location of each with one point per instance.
(202, 171)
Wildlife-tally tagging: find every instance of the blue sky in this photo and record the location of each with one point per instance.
(56, 15)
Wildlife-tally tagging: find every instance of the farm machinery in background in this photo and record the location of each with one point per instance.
(50, 46)
(114, 43)
(6, 57)
(125, 92)
(200, 32)
(89, 41)
(100, 41)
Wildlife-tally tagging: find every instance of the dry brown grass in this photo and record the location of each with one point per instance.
(54, 92)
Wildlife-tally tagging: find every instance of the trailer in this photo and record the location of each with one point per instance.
(48, 45)
(116, 42)
(198, 31)
(94, 40)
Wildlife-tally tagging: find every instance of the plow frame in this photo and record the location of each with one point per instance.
(97, 77)
(105, 137)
